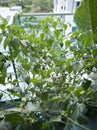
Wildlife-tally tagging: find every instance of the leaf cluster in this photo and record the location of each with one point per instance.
(58, 77)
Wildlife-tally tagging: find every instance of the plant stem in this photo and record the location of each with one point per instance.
(77, 124)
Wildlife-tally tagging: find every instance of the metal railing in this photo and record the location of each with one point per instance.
(46, 14)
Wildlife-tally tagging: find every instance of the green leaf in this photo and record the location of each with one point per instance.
(2, 79)
(42, 36)
(15, 93)
(1, 95)
(67, 43)
(80, 109)
(79, 92)
(35, 80)
(86, 17)
(14, 118)
(82, 16)
(52, 120)
(69, 108)
(43, 96)
(31, 126)
(86, 84)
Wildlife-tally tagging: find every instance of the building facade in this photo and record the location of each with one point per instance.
(63, 6)
(59, 6)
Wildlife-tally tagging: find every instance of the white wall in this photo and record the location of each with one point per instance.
(59, 6)
(69, 5)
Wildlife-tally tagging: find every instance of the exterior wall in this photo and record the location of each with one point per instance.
(69, 5)
(16, 9)
(76, 4)
(4, 12)
(59, 6)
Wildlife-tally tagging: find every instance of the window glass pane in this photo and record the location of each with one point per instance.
(77, 3)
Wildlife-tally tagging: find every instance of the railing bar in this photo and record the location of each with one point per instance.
(46, 14)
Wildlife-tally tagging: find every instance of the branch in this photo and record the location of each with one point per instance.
(77, 124)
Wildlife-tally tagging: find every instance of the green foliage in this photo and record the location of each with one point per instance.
(30, 5)
(33, 5)
(59, 76)
(88, 22)
(3, 3)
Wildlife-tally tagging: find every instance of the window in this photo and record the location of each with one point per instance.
(77, 3)
(74, 28)
(61, 7)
